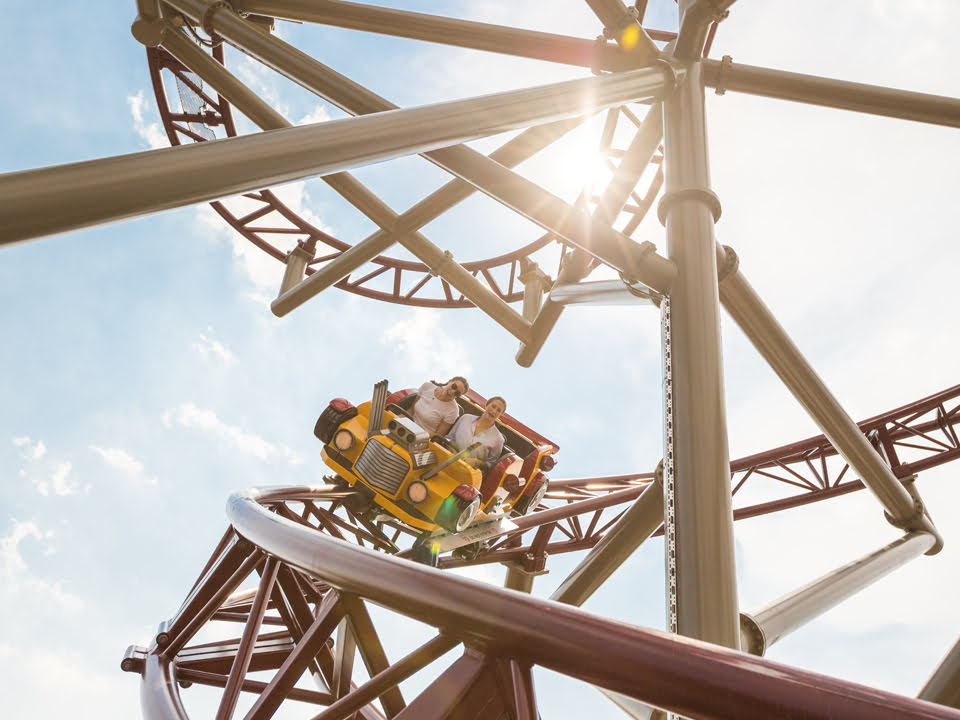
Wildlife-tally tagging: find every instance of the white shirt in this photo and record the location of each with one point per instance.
(464, 434)
(429, 411)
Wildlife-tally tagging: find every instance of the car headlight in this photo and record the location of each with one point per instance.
(417, 492)
(343, 440)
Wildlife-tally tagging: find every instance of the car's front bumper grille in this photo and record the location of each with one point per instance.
(382, 467)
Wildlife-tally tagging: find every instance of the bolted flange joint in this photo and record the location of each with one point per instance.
(148, 31)
(909, 521)
(206, 20)
(726, 65)
(702, 195)
(731, 264)
(752, 634)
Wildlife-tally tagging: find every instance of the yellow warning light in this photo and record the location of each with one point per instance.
(630, 37)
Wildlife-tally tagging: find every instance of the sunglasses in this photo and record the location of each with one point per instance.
(457, 392)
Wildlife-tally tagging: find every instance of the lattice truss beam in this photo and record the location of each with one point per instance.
(309, 613)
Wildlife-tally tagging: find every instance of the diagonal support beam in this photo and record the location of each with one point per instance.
(472, 166)
(453, 31)
(827, 92)
(393, 227)
(762, 628)
(772, 342)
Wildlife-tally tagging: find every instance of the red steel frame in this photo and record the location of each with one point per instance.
(302, 603)
(310, 583)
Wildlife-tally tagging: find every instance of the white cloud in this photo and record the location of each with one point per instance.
(190, 416)
(123, 462)
(31, 450)
(420, 344)
(317, 115)
(150, 132)
(210, 347)
(58, 482)
(16, 580)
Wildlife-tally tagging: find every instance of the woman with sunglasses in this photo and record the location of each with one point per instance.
(436, 409)
(481, 432)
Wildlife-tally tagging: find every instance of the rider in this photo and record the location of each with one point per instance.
(436, 409)
(481, 431)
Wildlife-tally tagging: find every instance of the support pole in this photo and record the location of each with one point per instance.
(451, 31)
(827, 92)
(761, 629)
(706, 591)
(93, 192)
(638, 523)
(943, 687)
(640, 261)
(904, 510)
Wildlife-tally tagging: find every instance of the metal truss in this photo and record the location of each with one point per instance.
(291, 619)
(309, 615)
(273, 227)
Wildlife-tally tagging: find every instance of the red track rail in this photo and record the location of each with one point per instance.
(310, 580)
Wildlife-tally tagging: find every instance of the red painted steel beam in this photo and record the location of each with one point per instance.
(651, 666)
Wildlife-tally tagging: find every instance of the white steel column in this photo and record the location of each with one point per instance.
(706, 591)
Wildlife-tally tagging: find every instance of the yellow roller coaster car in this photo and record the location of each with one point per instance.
(382, 453)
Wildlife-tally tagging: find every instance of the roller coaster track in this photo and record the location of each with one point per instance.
(320, 566)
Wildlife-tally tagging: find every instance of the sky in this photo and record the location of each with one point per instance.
(145, 378)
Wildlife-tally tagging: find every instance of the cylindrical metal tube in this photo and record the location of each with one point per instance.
(706, 590)
(487, 175)
(251, 105)
(786, 614)
(448, 31)
(223, 81)
(873, 99)
(636, 524)
(599, 292)
(943, 687)
(92, 192)
(774, 344)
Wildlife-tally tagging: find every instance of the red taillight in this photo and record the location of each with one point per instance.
(547, 462)
(340, 404)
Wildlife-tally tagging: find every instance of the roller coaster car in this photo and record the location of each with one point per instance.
(382, 453)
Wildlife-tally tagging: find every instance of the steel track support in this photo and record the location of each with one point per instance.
(292, 294)
(487, 175)
(762, 628)
(827, 92)
(451, 31)
(943, 687)
(638, 523)
(904, 510)
(706, 590)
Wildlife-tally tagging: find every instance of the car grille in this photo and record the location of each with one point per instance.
(381, 467)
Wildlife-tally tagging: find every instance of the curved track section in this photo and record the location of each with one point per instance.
(272, 226)
(502, 634)
(309, 614)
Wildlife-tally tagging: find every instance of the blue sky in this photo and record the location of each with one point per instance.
(145, 377)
